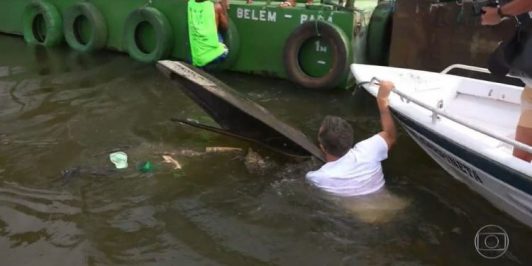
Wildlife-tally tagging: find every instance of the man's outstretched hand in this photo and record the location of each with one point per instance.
(385, 88)
(490, 16)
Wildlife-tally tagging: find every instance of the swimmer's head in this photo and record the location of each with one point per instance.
(335, 136)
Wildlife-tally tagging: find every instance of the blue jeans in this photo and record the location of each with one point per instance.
(223, 56)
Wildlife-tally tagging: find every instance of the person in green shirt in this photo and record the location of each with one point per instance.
(206, 21)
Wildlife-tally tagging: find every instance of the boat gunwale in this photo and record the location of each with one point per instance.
(436, 113)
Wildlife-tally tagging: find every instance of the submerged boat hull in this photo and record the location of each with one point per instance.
(237, 116)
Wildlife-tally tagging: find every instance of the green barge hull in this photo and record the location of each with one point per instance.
(311, 45)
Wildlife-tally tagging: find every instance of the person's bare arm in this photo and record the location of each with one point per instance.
(221, 17)
(514, 8)
(225, 4)
(517, 7)
(388, 133)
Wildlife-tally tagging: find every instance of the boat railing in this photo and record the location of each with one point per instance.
(466, 67)
(436, 113)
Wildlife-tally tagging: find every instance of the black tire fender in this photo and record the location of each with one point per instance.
(42, 24)
(98, 37)
(340, 54)
(380, 33)
(163, 34)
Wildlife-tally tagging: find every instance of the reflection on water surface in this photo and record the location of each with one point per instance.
(62, 203)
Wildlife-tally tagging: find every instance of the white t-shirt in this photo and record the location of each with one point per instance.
(358, 172)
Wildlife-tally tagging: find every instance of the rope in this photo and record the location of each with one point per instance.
(316, 28)
(360, 85)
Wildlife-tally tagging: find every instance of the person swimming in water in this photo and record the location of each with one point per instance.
(354, 173)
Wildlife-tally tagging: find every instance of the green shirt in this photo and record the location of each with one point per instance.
(203, 33)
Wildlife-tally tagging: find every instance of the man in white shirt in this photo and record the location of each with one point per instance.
(354, 171)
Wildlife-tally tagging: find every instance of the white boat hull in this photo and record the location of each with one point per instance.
(503, 196)
(503, 180)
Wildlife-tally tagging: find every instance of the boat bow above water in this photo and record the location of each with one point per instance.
(237, 115)
(467, 126)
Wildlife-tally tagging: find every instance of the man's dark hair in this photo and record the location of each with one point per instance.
(336, 135)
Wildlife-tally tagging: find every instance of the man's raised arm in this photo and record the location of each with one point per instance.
(494, 15)
(388, 133)
(221, 16)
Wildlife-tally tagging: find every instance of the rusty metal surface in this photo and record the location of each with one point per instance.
(431, 36)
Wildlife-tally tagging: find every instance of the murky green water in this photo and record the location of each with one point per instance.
(62, 203)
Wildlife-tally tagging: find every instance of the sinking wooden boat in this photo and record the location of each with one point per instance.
(467, 126)
(237, 116)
